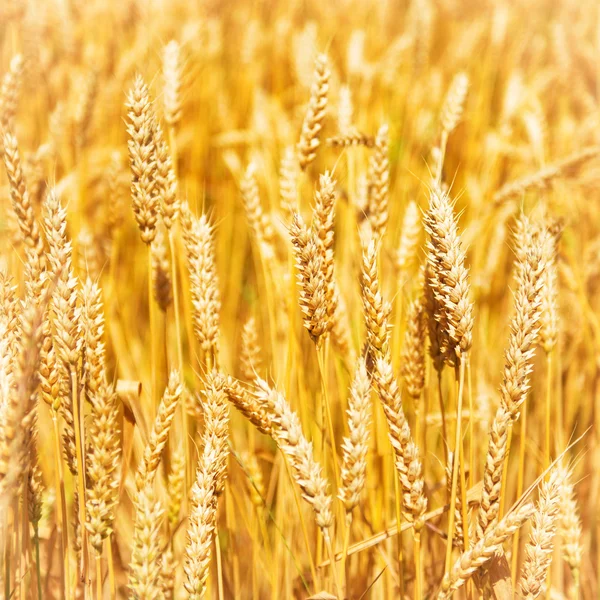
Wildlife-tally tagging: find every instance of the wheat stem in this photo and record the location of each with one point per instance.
(455, 464)
(61, 512)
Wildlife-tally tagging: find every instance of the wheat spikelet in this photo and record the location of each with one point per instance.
(311, 283)
(476, 556)
(160, 432)
(246, 404)
(142, 159)
(454, 102)
(448, 278)
(250, 351)
(532, 257)
(22, 205)
(65, 299)
(413, 350)
(35, 485)
(259, 221)
(570, 528)
(17, 413)
(379, 184)
(92, 321)
(549, 297)
(89, 256)
(199, 243)
(161, 272)
(538, 550)
(376, 310)
(290, 439)
(166, 182)
(144, 567)
(65, 315)
(356, 445)
(492, 479)
(103, 451)
(288, 181)
(543, 178)
(209, 482)
(9, 92)
(315, 113)
(171, 67)
(176, 485)
(167, 575)
(351, 138)
(409, 240)
(341, 337)
(323, 229)
(406, 453)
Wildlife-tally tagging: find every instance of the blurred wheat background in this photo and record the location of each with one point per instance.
(294, 293)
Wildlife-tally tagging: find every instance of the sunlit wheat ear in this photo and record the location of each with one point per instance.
(315, 113)
(259, 221)
(352, 138)
(549, 297)
(168, 574)
(250, 350)
(447, 278)
(517, 367)
(171, 66)
(247, 404)
(22, 206)
(17, 410)
(406, 452)
(379, 184)
(166, 182)
(408, 245)
(454, 102)
(376, 311)
(356, 445)
(307, 472)
(142, 159)
(35, 486)
(532, 257)
(144, 567)
(476, 556)
(9, 93)
(311, 282)
(413, 351)
(570, 530)
(543, 178)
(288, 182)
(160, 432)
(65, 315)
(103, 451)
(92, 322)
(539, 548)
(199, 244)
(162, 284)
(323, 229)
(210, 479)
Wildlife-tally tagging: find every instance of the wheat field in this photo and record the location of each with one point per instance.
(299, 299)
